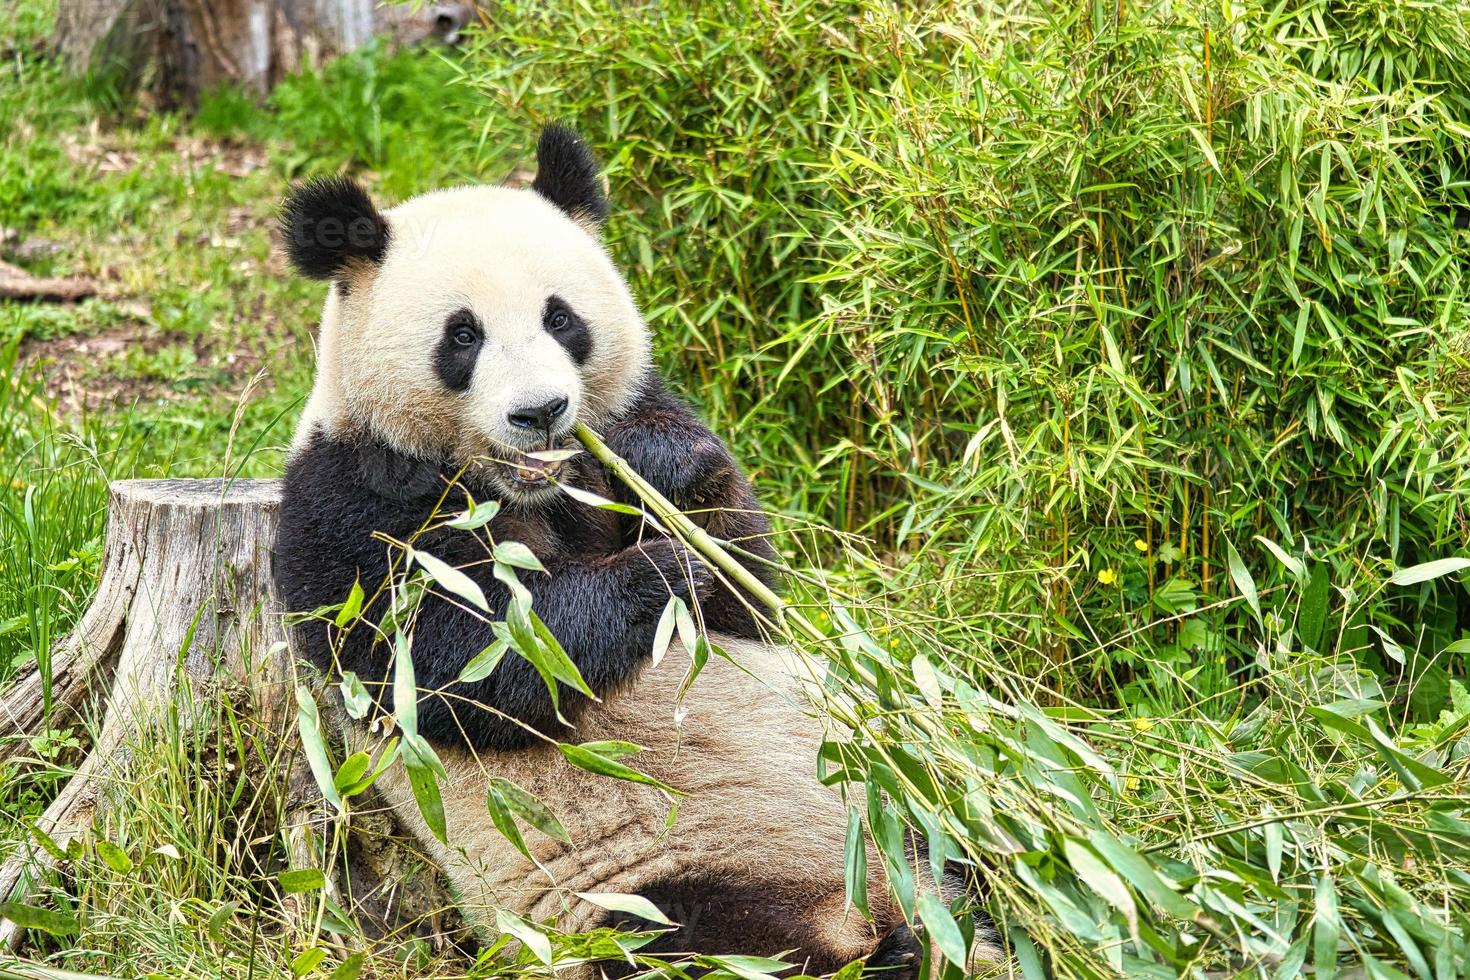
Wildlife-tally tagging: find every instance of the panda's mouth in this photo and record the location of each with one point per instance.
(538, 469)
(533, 472)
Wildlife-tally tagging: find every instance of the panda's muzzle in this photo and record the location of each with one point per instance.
(535, 469)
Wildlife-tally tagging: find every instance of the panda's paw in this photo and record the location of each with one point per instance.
(713, 479)
(898, 955)
(697, 475)
(672, 569)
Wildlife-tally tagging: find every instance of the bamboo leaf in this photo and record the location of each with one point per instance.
(477, 516)
(601, 503)
(1429, 570)
(531, 937)
(1293, 565)
(631, 904)
(592, 761)
(749, 967)
(352, 608)
(50, 921)
(663, 635)
(424, 782)
(47, 842)
(355, 697)
(483, 664)
(299, 880)
(1102, 880)
(1326, 929)
(940, 926)
(350, 968)
(219, 919)
(308, 725)
(1275, 843)
(405, 686)
(307, 960)
(517, 555)
(350, 772)
(114, 857)
(1312, 614)
(529, 809)
(500, 815)
(1241, 576)
(855, 862)
(451, 579)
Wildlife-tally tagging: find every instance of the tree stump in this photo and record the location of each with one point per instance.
(184, 609)
(190, 46)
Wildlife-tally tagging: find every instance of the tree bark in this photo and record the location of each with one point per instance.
(18, 284)
(185, 612)
(181, 48)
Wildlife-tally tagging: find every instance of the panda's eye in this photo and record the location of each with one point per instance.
(461, 328)
(559, 320)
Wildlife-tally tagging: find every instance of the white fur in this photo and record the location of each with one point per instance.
(741, 746)
(499, 252)
(753, 814)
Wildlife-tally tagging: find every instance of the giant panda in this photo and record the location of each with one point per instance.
(463, 329)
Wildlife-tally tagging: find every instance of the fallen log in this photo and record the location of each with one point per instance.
(184, 611)
(18, 284)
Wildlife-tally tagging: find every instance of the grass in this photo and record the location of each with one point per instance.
(1105, 364)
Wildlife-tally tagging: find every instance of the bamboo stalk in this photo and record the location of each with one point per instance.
(788, 618)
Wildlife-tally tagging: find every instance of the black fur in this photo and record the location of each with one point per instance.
(567, 174)
(722, 917)
(898, 955)
(329, 222)
(569, 329)
(454, 360)
(601, 596)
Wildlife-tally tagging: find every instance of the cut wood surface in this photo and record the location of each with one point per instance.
(184, 611)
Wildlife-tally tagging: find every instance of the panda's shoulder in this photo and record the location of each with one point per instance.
(655, 401)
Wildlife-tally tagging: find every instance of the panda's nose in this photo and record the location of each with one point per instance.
(538, 416)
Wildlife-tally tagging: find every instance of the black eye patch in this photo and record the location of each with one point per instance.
(570, 330)
(454, 357)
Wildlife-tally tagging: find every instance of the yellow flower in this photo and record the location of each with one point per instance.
(1141, 545)
(1107, 576)
(17, 485)
(1143, 724)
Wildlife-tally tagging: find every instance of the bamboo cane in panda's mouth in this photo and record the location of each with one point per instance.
(697, 537)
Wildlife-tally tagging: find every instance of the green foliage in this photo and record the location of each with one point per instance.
(398, 114)
(1134, 335)
(1070, 292)
(1123, 346)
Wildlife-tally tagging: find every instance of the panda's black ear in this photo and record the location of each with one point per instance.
(328, 223)
(567, 175)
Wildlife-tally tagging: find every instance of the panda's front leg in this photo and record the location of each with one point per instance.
(603, 611)
(701, 478)
(670, 447)
(689, 465)
(714, 493)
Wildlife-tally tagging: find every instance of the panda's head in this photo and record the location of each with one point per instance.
(474, 324)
